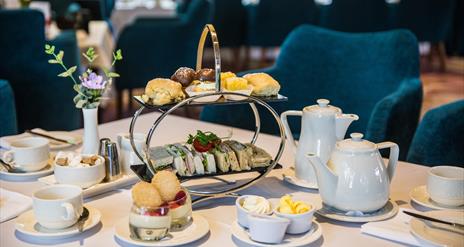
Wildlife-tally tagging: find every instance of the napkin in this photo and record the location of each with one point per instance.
(12, 204)
(396, 228)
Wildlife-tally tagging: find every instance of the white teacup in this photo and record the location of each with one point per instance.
(127, 155)
(28, 154)
(267, 229)
(58, 206)
(445, 185)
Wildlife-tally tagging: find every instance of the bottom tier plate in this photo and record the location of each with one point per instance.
(144, 174)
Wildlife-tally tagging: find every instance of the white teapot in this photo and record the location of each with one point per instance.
(355, 177)
(321, 126)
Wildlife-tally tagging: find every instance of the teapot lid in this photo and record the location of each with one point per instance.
(356, 144)
(323, 107)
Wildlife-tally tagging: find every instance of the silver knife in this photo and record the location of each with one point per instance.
(420, 216)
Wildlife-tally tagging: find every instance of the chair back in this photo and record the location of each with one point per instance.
(429, 20)
(355, 15)
(229, 20)
(153, 49)
(8, 125)
(270, 21)
(42, 98)
(439, 138)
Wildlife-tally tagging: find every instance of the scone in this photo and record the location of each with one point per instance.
(161, 91)
(263, 84)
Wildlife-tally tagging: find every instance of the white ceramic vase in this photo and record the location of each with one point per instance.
(91, 137)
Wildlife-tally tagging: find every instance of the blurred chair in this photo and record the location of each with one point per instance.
(439, 139)
(157, 47)
(270, 21)
(355, 15)
(229, 20)
(43, 100)
(8, 125)
(374, 75)
(429, 20)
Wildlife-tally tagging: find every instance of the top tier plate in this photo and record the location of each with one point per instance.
(221, 101)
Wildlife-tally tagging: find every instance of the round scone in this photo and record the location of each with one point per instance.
(162, 91)
(167, 184)
(146, 195)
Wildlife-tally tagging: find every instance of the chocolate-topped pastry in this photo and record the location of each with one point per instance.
(184, 76)
(205, 75)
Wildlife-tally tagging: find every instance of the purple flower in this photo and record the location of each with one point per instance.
(93, 81)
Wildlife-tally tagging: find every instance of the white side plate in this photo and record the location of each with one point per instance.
(195, 231)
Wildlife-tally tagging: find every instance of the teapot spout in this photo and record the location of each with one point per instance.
(342, 122)
(326, 179)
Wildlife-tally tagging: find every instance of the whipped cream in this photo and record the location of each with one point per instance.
(257, 204)
(208, 86)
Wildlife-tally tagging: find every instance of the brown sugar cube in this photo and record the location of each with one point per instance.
(62, 161)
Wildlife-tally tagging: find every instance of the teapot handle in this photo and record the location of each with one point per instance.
(288, 131)
(393, 158)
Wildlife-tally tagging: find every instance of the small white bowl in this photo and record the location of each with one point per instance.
(242, 214)
(267, 229)
(246, 92)
(191, 93)
(83, 177)
(299, 223)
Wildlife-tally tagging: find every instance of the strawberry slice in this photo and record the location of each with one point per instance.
(180, 198)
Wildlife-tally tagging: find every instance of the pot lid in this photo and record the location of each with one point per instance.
(322, 107)
(356, 143)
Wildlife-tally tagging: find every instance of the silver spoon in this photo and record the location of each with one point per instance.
(82, 219)
(10, 168)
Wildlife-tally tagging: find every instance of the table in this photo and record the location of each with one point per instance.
(221, 212)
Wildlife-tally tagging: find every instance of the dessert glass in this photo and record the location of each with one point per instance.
(149, 223)
(181, 210)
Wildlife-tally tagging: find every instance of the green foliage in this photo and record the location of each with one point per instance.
(87, 96)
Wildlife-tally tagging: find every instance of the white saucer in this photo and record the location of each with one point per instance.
(389, 210)
(289, 177)
(437, 234)
(195, 231)
(27, 224)
(54, 145)
(12, 176)
(303, 239)
(420, 196)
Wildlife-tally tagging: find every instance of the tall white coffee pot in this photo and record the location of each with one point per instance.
(321, 126)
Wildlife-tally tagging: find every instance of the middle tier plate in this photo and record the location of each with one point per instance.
(144, 174)
(221, 101)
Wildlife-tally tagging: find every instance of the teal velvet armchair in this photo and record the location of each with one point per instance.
(43, 100)
(439, 139)
(156, 48)
(374, 75)
(8, 125)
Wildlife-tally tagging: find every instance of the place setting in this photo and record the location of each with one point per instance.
(444, 185)
(58, 212)
(26, 159)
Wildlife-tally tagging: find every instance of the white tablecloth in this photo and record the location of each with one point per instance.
(220, 212)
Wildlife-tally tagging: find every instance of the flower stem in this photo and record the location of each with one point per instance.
(64, 67)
